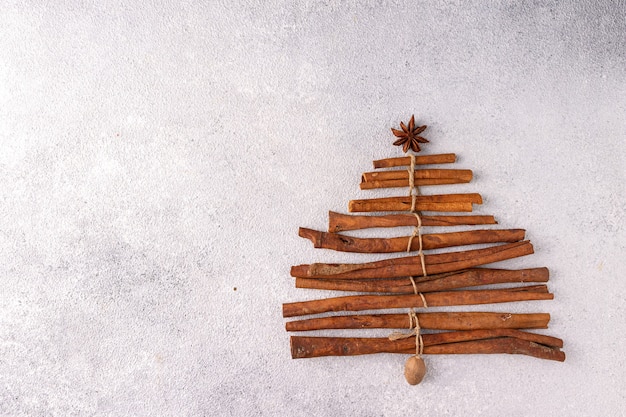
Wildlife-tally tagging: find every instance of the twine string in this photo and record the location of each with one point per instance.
(417, 230)
(414, 330)
(414, 325)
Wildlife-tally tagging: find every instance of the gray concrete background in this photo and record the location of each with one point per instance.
(154, 157)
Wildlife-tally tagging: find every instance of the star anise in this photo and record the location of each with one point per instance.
(409, 136)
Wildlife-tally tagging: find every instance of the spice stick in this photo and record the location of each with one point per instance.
(438, 282)
(411, 265)
(400, 178)
(432, 321)
(420, 174)
(440, 202)
(344, 243)
(338, 222)
(508, 345)
(463, 342)
(445, 158)
(371, 185)
(433, 299)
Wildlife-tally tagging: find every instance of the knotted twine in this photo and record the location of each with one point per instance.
(414, 325)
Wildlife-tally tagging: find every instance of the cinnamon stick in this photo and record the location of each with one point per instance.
(445, 158)
(411, 265)
(400, 178)
(440, 202)
(344, 243)
(438, 282)
(433, 299)
(419, 174)
(338, 222)
(463, 342)
(371, 185)
(432, 321)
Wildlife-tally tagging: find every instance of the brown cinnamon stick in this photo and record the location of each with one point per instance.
(433, 299)
(371, 185)
(439, 202)
(445, 158)
(438, 282)
(419, 174)
(338, 222)
(463, 342)
(508, 345)
(411, 265)
(344, 243)
(400, 178)
(432, 321)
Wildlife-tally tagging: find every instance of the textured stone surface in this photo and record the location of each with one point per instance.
(156, 161)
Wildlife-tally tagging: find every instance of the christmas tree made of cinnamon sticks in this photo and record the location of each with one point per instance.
(420, 280)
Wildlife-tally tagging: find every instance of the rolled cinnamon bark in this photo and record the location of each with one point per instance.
(344, 243)
(433, 299)
(400, 178)
(432, 321)
(438, 282)
(440, 202)
(445, 158)
(419, 174)
(338, 222)
(371, 185)
(411, 265)
(462, 342)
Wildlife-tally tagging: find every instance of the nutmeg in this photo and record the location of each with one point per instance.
(414, 370)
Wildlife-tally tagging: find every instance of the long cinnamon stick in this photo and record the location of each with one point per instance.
(462, 342)
(445, 158)
(438, 282)
(433, 299)
(432, 321)
(345, 243)
(339, 222)
(438, 202)
(411, 265)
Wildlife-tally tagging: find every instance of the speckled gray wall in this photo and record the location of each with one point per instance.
(157, 159)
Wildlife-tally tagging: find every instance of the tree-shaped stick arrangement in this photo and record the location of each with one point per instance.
(420, 279)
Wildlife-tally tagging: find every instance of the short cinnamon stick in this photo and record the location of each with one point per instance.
(411, 265)
(371, 185)
(400, 178)
(419, 174)
(463, 342)
(433, 299)
(344, 243)
(338, 222)
(445, 158)
(431, 321)
(438, 282)
(438, 202)
(508, 345)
